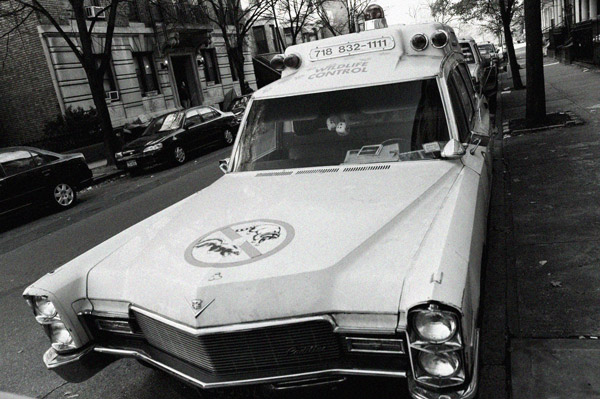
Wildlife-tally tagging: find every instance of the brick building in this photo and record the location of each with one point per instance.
(164, 57)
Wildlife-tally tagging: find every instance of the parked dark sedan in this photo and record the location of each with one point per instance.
(30, 175)
(171, 137)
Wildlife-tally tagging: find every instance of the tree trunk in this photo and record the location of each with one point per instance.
(510, 47)
(237, 56)
(535, 101)
(98, 95)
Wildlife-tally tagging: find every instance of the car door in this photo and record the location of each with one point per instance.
(471, 122)
(22, 183)
(47, 170)
(193, 127)
(211, 127)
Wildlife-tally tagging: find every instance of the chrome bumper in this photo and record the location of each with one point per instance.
(80, 366)
(83, 365)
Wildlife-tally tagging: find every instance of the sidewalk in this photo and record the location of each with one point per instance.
(102, 171)
(544, 247)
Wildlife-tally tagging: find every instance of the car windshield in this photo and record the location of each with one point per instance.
(165, 123)
(467, 53)
(365, 125)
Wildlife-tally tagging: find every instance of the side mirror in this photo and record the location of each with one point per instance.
(224, 165)
(188, 124)
(453, 150)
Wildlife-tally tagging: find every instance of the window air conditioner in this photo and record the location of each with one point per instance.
(112, 96)
(95, 12)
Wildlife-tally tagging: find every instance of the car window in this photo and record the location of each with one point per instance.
(466, 75)
(42, 159)
(192, 118)
(459, 112)
(467, 53)
(476, 53)
(207, 114)
(463, 92)
(14, 162)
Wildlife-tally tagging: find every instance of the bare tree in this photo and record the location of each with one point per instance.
(81, 41)
(235, 22)
(348, 18)
(442, 11)
(414, 12)
(296, 14)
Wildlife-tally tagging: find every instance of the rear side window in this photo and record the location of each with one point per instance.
(14, 162)
(462, 122)
(463, 92)
(42, 159)
(466, 75)
(192, 118)
(467, 53)
(207, 114)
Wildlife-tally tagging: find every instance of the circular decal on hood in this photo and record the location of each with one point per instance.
(240, 243)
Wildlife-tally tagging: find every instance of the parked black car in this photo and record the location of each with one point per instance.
(30, 175)
(238, 106)
(171, 137)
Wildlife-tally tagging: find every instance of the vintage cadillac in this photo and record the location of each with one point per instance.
(345, 238)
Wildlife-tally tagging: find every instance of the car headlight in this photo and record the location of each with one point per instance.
(435, 326)
(60, 337)
(436, 346)
(46, 314)
(154, 147)
(439, 364)
(44, 310)
(119, 155)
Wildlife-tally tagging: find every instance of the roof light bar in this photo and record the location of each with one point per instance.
(277, 62)
(292, 61)
(419, 42)
(439, 39)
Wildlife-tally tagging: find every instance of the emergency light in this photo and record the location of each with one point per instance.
(419, 42)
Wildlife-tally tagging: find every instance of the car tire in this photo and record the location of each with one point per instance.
(228, 137)
(179, 155)
(63, 195)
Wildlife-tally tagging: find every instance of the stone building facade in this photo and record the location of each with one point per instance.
(164, 57)
(572, 29)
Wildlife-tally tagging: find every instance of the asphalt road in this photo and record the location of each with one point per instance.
(38, 241)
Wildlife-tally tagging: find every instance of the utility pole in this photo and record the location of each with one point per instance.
(535, 113)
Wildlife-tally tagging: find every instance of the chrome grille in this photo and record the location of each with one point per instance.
(274, 347)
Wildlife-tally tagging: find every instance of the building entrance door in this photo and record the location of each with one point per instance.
(188, 88)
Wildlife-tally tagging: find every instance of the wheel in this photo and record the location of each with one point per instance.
(228, 137)
(64, 196)
(179, 155)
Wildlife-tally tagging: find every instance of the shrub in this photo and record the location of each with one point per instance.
(76, 128)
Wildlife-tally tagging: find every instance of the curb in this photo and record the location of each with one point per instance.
(575, 120)
(107, 176)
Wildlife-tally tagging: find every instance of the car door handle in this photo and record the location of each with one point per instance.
(46, 172)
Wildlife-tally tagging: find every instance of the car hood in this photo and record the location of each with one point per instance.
(145, 140)
(268, 245)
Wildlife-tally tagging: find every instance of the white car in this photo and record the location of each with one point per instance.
(345, 238)
(473, 59)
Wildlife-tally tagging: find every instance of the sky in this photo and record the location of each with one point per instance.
(402, 12)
